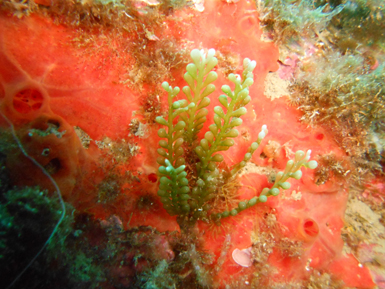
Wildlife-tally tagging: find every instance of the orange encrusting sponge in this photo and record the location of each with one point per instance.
(48, 86)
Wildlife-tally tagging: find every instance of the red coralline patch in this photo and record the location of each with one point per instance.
(352, 272)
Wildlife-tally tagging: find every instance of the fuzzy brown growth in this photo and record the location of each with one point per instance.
(154, 61)
(228, 60)
(120, 33)
(151, 107)
(120, 150)
(349, 123)
(267, 238)
(109, 189)
(330, 166)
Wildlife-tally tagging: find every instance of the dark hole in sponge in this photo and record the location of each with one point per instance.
(310, 227)
(53, 123)
(319, 136)
(53, 166)
(28, 100)
(152, 177)
(44, 124)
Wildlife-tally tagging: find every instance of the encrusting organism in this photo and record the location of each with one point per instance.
(57, 190)
(186, 187)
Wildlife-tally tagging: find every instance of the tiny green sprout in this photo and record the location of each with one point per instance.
(176, 90)
(312, 164)
(196, 56)
(217, 158)
(239, 112)
(299, 155)
(285, 185)
(185, 208)
(226, 89)
(236, 122)
(261, 135)
(211, 77)
(176, 105)
(180, 125)
(242, 206)
(225, 214)
(297, 175)
(254, 146)
(192, 69)
(166, 86)
(274, 192)
(262, 199)
(162, 132)
(200, 183)
(252, 202)
(162, 170)
(210, 54)
(232, 77)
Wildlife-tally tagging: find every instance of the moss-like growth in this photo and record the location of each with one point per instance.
(158, 278)
(187, 193)
(346, 25)
(344, 93)
(341, 74)
(191, 268)
(360, 23)
(28, 216)
(291, 21)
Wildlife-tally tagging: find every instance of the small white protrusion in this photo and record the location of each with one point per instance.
(242, 257)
